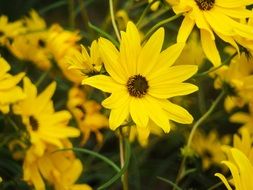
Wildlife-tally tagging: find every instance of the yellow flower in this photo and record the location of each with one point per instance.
(241, 169)
(246, 119)
(9, 30)
(214, 16)
(87, 64)
(141, 79)
(87, 114)
(208, 147)
(238, 78)
(43, 124)
(9, 91)
(59, 169)
(32, 47)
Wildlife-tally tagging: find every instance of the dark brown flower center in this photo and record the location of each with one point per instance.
(137, 86)
(34, 123)
(205, 5)
(41, 43)
(1, 33)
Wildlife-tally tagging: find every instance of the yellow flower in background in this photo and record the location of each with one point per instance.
(87, 114)
(192, 53)
(42, 123)
(208, 147)
(214, 16)
(9, 91)
(63, 44)
(32, 47)
(141, 79)
(9, 30)
(238, 78)
(244, 118)
(243, 142)
(241, 169)
(60, 169)
(88, 64)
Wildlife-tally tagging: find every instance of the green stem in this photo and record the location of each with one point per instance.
(145, 12)
(84, 15)
(113, 20)
(153, 17)
(123, 169)
(42, 78)
(169, 182)
(159, 24)
(71, 8)
(103, 33)
(194, 128)
(124, 177)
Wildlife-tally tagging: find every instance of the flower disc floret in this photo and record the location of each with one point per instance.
(205, 5)
(137, 86)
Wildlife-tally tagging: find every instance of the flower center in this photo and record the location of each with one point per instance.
(34, 123)
(137, 86)
(205, 5)
(41, 43)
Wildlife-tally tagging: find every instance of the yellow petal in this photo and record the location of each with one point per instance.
(177, 113)
(166, 59)
(138, 112)
(233, 3)
(224, 180)
(210, 48)
(118, 116)
(185, 29)
(110, 57)
(116, 99)
(156, 113)
(5, 67)
(150, 53)
(11, 81)
(175, 74)
(235, 173)
(130, 47)
(104, 83)
(168, 90)
(45, 97)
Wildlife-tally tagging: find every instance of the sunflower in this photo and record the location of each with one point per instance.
(214, 16)
(88, 64)
(43, 124)
(140, 80)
